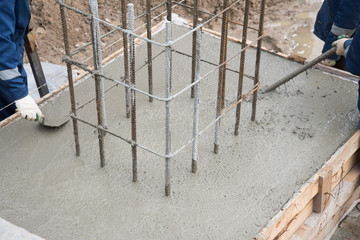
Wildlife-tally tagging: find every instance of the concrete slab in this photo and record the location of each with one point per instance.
(45, 189)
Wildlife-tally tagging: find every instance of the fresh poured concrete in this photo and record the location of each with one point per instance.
(47, 190)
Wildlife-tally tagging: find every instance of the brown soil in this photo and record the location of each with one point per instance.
(47, 24)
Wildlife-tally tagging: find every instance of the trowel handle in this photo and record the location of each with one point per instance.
(300, 70)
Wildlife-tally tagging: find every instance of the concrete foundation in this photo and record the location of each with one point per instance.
(47, 190)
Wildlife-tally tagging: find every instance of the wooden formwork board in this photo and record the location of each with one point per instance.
(315, 210)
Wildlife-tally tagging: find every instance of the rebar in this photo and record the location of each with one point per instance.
(70, 79)
(126, 57)
(242, 65)
(167, 107)
(258, 57)
(132, 92)
(98, 79)
(222, 74)
(224, 37)
(169, 18)
(196, 103)
(194, 38)
(149, 48)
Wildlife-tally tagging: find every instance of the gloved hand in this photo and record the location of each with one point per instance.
(28, 109)
(341, 45)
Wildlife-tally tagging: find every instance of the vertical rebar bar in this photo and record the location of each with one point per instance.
(126, 56)
(242, 65)
(132, 91)
(222, 74)
(196, 103)
(70, 78)
(167, 108)
(258, 57)
(169, 18)
(149, 48)
(193, 59)
(224, 37)
(95, 34)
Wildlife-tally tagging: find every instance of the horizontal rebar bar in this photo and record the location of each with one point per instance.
(67, 59)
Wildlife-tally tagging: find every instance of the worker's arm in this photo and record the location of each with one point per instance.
(14, 19)
(345, 23)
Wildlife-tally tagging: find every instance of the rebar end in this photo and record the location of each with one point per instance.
(194, 166)
(216, 148)
(167, 190)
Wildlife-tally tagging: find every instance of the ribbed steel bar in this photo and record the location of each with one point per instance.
(71, 82)
(224, 36)
(149, 49)
(167, 107)
(196, 104)
(169, 10)
(194, 38)
(258, 58)
(222, 75)
(99, 105)
(132, 91)
(126, 56)
(242, 65)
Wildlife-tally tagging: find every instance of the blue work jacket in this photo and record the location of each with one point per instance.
(344, 14)
(14, 21)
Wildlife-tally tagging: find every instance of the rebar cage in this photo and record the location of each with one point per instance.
(130, 38)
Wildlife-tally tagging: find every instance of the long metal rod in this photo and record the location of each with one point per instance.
(222, 75)
(258, 58)
(133, 94)
(167, 108)
(224, 37)
(149, 49)
(196, 104)
(242, 66)
(194, 38)
(169, 18)
(98, 92)
(71, 82)
(126, 56)
(300, 70)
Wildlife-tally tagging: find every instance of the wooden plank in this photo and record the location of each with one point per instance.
(296, 222)
(342, 156)
(345, 169)
(291, 209)
(324, 222)
(322, 198)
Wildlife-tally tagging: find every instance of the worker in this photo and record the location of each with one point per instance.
(350, 48)
(336, 18)
(15, 17)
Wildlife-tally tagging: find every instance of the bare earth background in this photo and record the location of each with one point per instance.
(288, 23)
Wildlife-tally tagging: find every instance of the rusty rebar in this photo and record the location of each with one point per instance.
(258, 58)
(98, 92)
(126, 56)
(194, 37)
(242, 65)
(70, 79)
(132, 91)
(224, 37)
(222, 75)
(149, 48)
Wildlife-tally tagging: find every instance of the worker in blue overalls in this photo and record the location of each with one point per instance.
(336, 18)
(350, 48)
(14, 21)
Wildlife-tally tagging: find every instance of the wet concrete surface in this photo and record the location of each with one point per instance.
(47, 190)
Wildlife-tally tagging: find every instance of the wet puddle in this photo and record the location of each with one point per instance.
(304, 42)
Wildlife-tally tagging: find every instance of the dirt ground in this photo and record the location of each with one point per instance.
(282, 18)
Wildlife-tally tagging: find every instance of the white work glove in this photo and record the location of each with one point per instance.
(28, 109)
(340, 50)
(328, 62)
